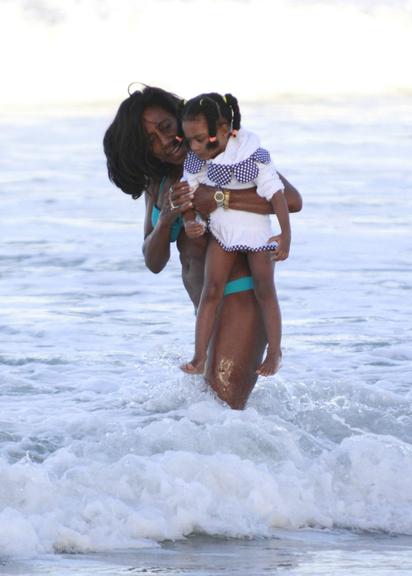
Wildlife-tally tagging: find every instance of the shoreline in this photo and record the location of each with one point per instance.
(337, 552)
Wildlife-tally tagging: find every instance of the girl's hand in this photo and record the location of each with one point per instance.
(194, 229)
(179, 198)
(282, 250)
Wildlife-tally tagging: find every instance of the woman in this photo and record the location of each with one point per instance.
(143, 155)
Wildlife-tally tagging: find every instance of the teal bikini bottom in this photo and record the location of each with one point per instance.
(239, 285)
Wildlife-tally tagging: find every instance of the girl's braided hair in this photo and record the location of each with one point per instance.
(213, 107)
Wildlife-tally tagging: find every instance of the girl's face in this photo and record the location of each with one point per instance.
(197, 136)
(160, 127)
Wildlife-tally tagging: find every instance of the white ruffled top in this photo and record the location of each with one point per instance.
(241, 165)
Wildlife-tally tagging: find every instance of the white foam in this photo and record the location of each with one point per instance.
(224, 473)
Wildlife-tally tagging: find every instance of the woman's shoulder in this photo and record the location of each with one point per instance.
(155, 188)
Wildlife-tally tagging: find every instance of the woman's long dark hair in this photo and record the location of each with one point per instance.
(130, 163)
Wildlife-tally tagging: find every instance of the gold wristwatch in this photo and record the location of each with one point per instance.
(219, 197)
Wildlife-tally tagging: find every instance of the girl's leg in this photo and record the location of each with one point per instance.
(218, 266)
(261, 268)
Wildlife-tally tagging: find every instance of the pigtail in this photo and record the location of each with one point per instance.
(211, 110)
(234, 105)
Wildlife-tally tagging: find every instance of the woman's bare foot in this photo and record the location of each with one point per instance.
(270, 364)
(194, 367)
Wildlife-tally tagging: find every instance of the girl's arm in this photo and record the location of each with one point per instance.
(280, 208)
(156, 245)
(193, 228)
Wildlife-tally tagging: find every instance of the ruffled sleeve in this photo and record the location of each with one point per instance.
(268, 181)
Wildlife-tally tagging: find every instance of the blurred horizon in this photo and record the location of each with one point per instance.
(87, 52)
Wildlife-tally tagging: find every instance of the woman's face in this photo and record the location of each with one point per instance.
(196, 133)
(161, 129)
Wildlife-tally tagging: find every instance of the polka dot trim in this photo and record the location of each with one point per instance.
(221, 174)
(243, 248)
(193, 164)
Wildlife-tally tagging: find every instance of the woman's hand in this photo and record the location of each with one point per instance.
(178, 199)
(204, 201)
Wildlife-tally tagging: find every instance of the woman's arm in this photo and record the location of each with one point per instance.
(293, 198)
(156, 245)
(245, 199)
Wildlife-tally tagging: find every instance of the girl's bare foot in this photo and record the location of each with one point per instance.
(194, 367)
(270, 364)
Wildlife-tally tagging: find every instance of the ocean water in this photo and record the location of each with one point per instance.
(112, 461)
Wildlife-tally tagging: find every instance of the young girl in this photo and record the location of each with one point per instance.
(221, 155)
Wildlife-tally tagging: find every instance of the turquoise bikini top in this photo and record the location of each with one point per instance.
(177, 224)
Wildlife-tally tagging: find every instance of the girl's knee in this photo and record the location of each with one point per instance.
(264, 291)
(213, 290)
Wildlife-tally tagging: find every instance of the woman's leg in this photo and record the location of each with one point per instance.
(236, 347)
(261, 268)
(218, 265)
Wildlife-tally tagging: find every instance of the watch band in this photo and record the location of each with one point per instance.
(226, 199)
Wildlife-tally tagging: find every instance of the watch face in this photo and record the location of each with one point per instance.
(219, 196)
